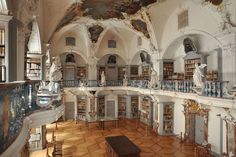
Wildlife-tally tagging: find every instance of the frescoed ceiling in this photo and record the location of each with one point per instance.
(105, 9)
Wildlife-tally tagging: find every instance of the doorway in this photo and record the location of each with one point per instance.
(112, 73)
(69, 110)
(110, 108)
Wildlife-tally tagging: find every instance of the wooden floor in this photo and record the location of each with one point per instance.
(81, 141)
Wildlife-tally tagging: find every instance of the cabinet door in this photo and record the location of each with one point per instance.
(111, 108)
(69, 73)
(199, 129)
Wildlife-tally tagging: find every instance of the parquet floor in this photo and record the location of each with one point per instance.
(81, 141)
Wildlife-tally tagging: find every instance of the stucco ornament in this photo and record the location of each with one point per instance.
(197, 78)
(153, 83)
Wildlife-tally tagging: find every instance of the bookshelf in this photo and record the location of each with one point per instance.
(145, 72)
(121, 106)
(190, 60)
(101, 106)
(212, 75)
(146, 114)
(33, 66)
(81, 72)
(134, 75)
(168, 118)
(81, 107)
(121, 73)
(168, 69)
(134, 106)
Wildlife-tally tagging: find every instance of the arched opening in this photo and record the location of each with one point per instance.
(113, 66)
(74, 66)
(180, 65)
(140, 66)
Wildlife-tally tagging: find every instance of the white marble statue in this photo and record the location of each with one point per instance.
(198, 75)
(154, 80)
(103, 79)
(125, 80)
(197, 78)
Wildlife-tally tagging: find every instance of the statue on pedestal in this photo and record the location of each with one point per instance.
(125, 80)
(197, 78)
(103, 79)
(154, 80)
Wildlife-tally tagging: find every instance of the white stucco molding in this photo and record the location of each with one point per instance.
(210, 101)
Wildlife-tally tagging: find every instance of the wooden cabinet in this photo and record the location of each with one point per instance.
(146, 113)
(212, 75)
(166, 118)
(69, 71)
(81, 72)
(81, 107)
(134, 106)
(33, 66)
(121, 73)
(121, 106)
(145, 72)
(101, 106)
(190, 60)
(2, 46)
(168, 69)
(134, 75)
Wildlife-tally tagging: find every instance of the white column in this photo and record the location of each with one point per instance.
(228, 41)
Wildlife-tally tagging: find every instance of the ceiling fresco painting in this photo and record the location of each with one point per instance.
(141, 26)
(95, 32)
(215, 2)
(105, 9)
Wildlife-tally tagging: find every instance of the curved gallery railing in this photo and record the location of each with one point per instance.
(17, 101)
(210, 89)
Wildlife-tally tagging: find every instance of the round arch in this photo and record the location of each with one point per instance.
(141, 56)
(178, 37)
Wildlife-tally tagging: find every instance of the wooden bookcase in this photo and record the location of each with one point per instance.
(81, 72)
(134, 106)
(190, 60)
(101, 106)
(145, 72)
(33, 66)
(121, 106)
(70, 71)
(167, 117)
(81, 107)
(134, 75)
(212, 75)
(121, 73)
(146, 114)
(168, 69)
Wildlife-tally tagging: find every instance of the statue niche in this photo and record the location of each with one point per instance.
(111, 60)
(70, 58)
(189, 45)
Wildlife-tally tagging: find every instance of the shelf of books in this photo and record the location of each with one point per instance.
(146, 114)
(168, 118)
(33, 66)
(101, 106)
(121, 106)
(81, 107)
(134, 106)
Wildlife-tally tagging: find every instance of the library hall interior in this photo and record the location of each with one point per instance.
(117, 78)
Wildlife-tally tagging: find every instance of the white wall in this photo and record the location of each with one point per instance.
(179, 118)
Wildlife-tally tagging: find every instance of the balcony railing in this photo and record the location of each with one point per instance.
(211, 88)
(17, 101)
